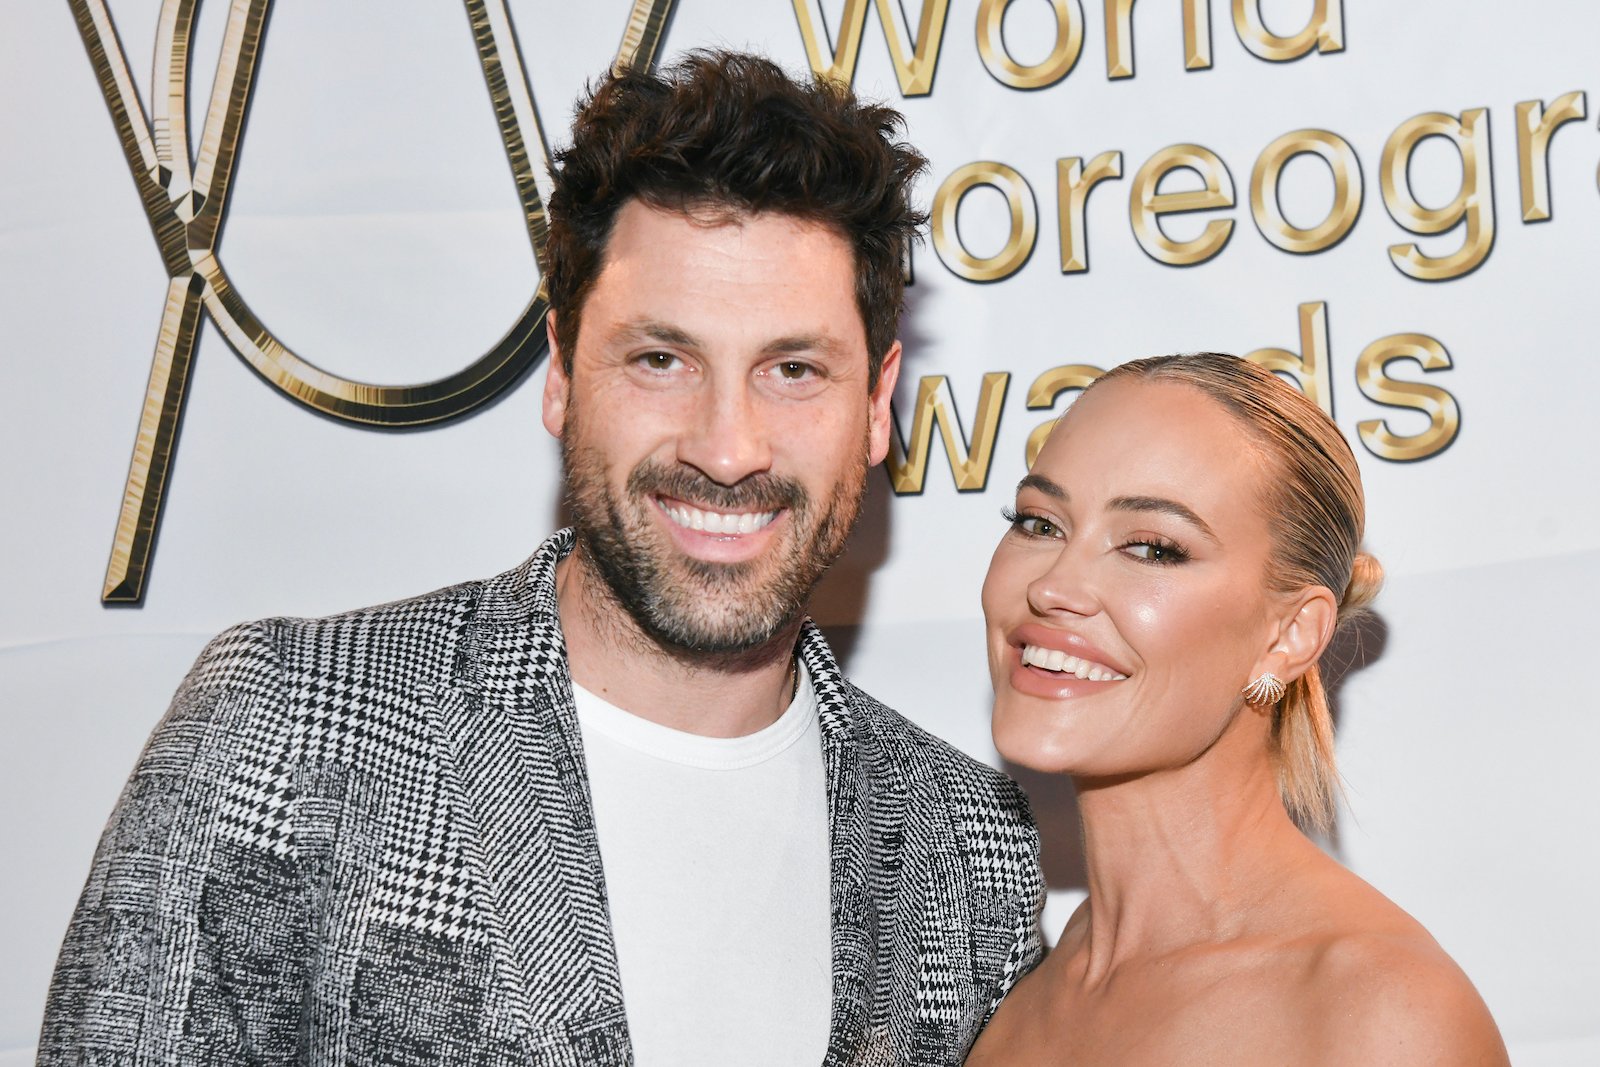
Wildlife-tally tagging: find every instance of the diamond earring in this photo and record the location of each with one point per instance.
(1267, 689)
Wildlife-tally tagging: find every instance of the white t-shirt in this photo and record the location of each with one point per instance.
(717, 871)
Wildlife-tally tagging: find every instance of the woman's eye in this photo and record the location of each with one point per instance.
(1032, 525)
(1156, 552)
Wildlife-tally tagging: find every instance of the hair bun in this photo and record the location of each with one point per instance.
(1366, 578)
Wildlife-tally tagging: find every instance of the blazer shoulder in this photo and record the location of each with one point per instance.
(400, 645)
(242, 659)
(271, 686)
(975, 788)
(403, 636)
(265, 700)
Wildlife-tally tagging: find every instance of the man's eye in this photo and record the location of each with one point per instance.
(658, 361)
(793, 370)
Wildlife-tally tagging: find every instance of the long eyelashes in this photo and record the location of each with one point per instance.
(1030, 525)
(1150, 549)
(1156, 551)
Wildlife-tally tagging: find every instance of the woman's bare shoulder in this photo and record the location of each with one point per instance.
(1381, 992)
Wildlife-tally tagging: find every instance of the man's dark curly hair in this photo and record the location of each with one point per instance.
(730, 131)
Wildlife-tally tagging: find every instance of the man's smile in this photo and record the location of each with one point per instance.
(712, 521)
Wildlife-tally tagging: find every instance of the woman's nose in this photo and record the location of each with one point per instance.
(1065, 586)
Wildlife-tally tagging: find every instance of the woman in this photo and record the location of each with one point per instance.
(1180, 556)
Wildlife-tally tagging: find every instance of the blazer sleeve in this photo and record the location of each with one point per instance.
(1028, 888)
(1027, 946)
(190, 942)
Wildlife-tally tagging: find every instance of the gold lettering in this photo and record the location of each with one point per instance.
(178, 200)
(1119, 36)
(908, 464)
(1325, 31)
(1472, 203)
(1020, 238)
(1044, 392)
(1146, 204)
(915, 62)
(1333, 150)
(1309, 372)
(185, 200)
(1372, 376)
(1055, 66)
(1535, 125)
(1073, 183)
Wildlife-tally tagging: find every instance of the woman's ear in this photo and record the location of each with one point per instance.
(1304, 629)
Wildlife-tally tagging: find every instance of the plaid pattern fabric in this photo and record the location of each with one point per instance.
(369, 839)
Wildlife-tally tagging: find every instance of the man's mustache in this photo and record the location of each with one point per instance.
(762, 491)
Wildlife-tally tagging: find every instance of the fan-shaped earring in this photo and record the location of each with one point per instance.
(1267, 689)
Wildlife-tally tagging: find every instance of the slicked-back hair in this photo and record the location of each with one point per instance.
(728, 131)
(1316, 510)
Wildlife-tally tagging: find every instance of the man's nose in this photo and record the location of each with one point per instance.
(728, 437)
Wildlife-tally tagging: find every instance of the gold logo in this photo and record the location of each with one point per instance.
(185, 195)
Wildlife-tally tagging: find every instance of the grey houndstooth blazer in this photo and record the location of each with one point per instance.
(368, 839)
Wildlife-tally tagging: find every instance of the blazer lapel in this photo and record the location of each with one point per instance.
(849, 809)
(511, 732)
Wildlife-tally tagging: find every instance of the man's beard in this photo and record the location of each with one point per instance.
(690, 605)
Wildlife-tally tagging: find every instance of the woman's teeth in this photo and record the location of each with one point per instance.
(717, 522)
(1053, 659)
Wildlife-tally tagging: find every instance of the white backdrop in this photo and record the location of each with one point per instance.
(374, 226)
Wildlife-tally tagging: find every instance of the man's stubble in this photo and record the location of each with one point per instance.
(691, 606)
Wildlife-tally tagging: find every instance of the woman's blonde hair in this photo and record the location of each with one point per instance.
(1316, 511)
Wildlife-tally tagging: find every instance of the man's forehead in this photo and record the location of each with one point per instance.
(716, 217)
(781, 283)
(710, 211)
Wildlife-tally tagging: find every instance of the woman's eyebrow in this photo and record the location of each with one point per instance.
(1165, 507)
(1159, 504)
(1043, 485)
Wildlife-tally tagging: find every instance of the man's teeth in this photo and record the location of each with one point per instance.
(1053, 659)
(717, 522)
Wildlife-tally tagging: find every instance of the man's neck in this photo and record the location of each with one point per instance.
(707, 694)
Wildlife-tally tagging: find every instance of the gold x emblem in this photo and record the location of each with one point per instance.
(184, 190)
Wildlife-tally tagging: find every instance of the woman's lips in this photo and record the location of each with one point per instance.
(1056, 664)
(1053, 639)
(1056, 661)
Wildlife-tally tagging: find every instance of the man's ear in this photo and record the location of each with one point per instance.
(1304, 628)
(879, 404)
(556, 383)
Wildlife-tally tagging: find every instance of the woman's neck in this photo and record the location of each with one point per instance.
(1186, 856)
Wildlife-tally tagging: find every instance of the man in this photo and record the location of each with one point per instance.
(618, 802)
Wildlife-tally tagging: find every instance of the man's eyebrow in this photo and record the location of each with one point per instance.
(1165, 507)
(667, 334)
(803, 342)
(1043, 485)
(652, 330)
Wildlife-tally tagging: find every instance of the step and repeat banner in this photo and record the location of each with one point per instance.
(273, 345)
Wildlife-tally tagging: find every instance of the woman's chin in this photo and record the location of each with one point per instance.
(1028, 745)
